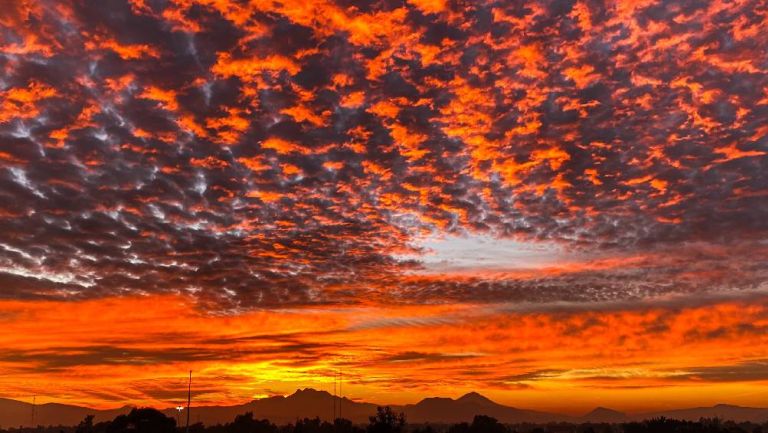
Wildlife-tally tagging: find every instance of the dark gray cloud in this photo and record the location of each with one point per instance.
(426, 357)
(756, 370)
(61, 358)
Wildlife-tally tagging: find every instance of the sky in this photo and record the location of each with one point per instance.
(559, 204)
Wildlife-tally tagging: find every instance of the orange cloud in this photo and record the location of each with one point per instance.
(116, 346)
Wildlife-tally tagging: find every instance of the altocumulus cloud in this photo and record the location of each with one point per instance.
(289, 153)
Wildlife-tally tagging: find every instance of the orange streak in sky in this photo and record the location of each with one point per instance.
(135, 350)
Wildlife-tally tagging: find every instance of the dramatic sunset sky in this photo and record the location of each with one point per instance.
(559, 204)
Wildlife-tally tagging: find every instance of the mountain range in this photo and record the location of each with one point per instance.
(311, 403)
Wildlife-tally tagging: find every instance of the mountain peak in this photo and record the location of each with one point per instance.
(604, 414)
(309, 392)
(473, 397)
(602, 409)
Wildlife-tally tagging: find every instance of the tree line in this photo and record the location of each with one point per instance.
(148, 420)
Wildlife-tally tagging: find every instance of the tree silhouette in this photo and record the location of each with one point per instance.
(480, 424)
(486, 424)
(245, 423)
(461, 427)
(312, 425)
(145, 420)
(426, 429)
(386, 421)
(341, 425)
(86, 425)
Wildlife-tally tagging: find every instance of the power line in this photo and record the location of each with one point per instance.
(341, 393)
(334, 397)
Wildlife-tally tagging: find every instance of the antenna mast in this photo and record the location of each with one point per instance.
(189, 398)
(32, 419)
(333, 418)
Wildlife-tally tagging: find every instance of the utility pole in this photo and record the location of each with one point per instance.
(341, 394)
(189, 398)
(32, 418)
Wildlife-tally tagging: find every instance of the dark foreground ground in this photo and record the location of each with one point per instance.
(147, 420)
